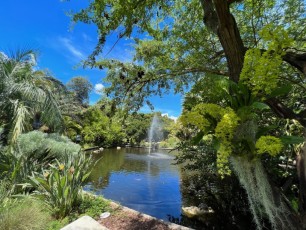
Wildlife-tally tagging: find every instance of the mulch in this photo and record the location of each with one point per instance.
(123, 218)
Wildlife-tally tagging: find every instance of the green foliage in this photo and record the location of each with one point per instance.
(57, 224)
(61, 185)
(25, 93)
(225, 132)
(72, 127)
(24, 214)
(204, 91)
(81, 88)
(269, 144)
(34, 151)
(170, 142)
(99, 129)
(39, 142)
(169, 56)
(276, 38)
(201, 184)
(88, 204)
(93, 205)
(261, 69)
(136, 127)
(5, 193)
(222, 122)
(203, 116)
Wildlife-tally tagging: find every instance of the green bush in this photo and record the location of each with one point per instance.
(24, 214)
(34, 150)
(61, 185)
(39, 142)
(93, 205)
(5, 193)
(171, 142)
(57, 224)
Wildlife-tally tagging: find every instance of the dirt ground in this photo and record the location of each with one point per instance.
(123, 218)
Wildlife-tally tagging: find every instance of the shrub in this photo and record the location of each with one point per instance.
(60, 185)
(93, 205)
(34, 150)
(39, 142)
(57, 224)
(171, 142)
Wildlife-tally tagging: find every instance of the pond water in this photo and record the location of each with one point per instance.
(149, 183)
(152, 184)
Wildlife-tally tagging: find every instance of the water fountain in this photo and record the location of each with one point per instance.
(155, 133)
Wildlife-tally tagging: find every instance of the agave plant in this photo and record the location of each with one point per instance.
(26, 94)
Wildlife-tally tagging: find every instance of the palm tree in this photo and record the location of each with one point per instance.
(27, 96)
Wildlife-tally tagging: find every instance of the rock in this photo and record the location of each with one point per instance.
(101, 149)
(104, 215)
(195, 212)
(84, 223)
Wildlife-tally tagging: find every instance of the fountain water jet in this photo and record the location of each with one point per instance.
(155, 132)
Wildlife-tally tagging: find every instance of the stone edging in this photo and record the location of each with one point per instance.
(172, 226)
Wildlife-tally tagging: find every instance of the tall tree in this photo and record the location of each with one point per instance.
(258, 45)
(81, 88)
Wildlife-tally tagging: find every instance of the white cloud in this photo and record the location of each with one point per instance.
(171, 117)
(99, 88)
(165, 112)
(67, 43)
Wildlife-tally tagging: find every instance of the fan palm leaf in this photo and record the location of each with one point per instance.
(25, 92)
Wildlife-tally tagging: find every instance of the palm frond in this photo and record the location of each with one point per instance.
(52, 113)
(18, 123)
(22, 55)
(25, 92)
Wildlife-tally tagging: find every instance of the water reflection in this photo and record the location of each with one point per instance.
(147, 183)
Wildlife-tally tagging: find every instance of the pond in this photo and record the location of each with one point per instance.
(148, 183)
(151, 184)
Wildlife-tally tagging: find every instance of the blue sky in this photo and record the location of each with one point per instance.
(44, 25)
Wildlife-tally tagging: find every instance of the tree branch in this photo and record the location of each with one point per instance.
(296, 59)
(284, 112)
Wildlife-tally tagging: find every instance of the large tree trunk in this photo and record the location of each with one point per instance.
(301, 169)
(230, 39)
(218, 18)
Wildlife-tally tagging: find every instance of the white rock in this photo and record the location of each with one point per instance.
(84, 223)
(104, 215)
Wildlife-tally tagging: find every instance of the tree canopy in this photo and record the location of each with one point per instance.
(167, 56)
(80, 87)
